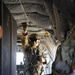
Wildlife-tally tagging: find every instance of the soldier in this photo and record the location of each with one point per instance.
(34, 58)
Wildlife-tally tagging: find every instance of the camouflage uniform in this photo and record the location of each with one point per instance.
(33, 64)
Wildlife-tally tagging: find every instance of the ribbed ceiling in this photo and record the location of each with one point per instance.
(55, 14)
(29, 10)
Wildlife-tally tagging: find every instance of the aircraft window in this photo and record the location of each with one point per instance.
(19, 58)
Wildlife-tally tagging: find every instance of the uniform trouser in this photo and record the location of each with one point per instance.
(33, 71)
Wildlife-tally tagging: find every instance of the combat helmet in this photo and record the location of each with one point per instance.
(33, 38)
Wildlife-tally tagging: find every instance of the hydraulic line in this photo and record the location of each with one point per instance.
(24, 11)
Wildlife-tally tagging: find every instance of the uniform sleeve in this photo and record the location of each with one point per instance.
(41, 57)
(24, 40)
